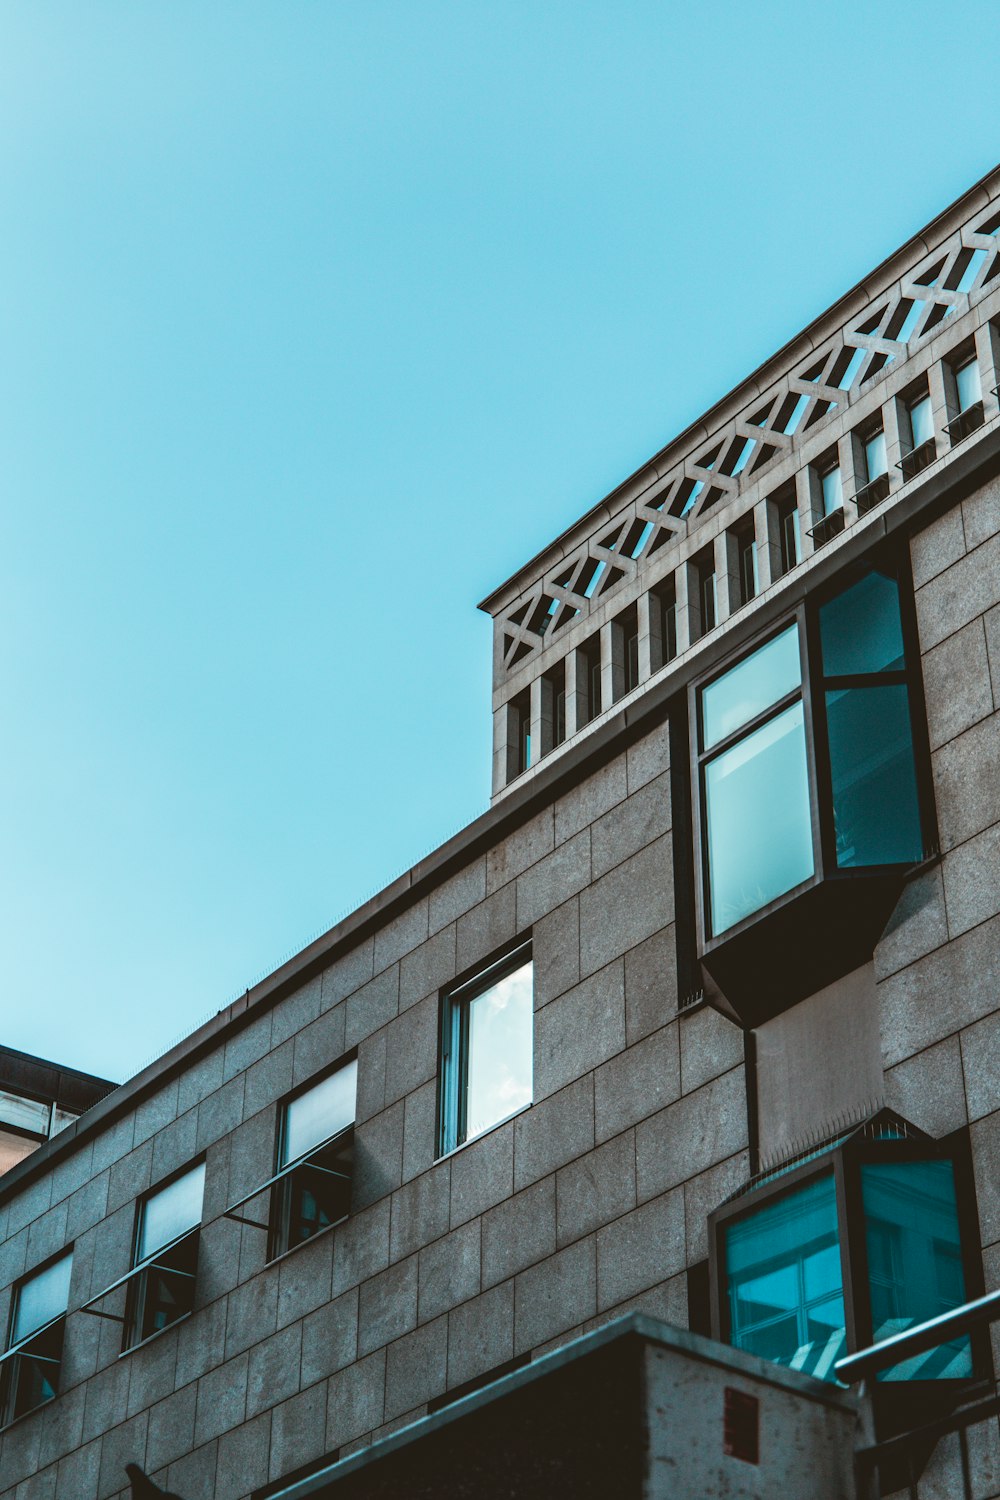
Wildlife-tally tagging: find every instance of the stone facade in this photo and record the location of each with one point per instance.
(591, 1202)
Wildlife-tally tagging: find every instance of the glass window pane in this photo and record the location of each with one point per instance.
(746, 690)
(915, 1260)
(969, 389)
(833, 497)
(861, 630)
(26, 1114)
(319, 1113)
(14, 1148)
(759, 826)
(498, 1076)
(876, 459)
(171, 1212)
(784, 1282)
(42, 1298)
(876, 813)
(61, 1118)
(921, 421)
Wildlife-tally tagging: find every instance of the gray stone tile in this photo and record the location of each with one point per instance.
(251, 1313)
(482, 1173)
(427, 968)
(330, 1338)
(981, 514)
(553, 879)
(371, 1076)
(62, 1429)
(295, 1011)
(130, 1177)
(651, 984)
(348, 973)
(928, 1089)
(270, 1079)
(361, 1248)
(699, 1130)
(419, 1130)
(595, 1189)
(153, 1371)
(198, 1081)
(957, 686)
(106, 1401)
(124, 1444)
(411, 1049)
(247, 1045)
(320, 1045)
(638, 1082)
(551, 1133)
(519, 1232)
(356, 1401)
(20, 1453)
(520, 849)
(402, 934)
(971, 876)
(648, 757)
(222, 1397)
(641, 1249)
(705, 1193)
(985, 1137)
(298, 1431)
(960, 977)
(457, 895)
(590, 798)
(626, 906)
(274, 1369)
(373, 1006)
(937, 547)
(486, 928)
(918, 925)
(194, 1475)
(154, 1113)
(555, 951)
(175, 1146)
(241, 1465)
(710, 1046)
(416, 1368)
(199, 1340)
(629, 827)
(481, 1334)
(378, 1157)
(954, 597)
(580, 1030)
(555, 1296)
(448, 1272)
(78, 1473)
(171, 1428)
(219, 1113)
(981, 1066)
(420, 1211)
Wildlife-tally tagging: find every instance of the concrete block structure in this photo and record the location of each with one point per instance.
(698, 1027)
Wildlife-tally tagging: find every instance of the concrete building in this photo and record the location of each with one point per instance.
(37, 1100)
(698, 1027)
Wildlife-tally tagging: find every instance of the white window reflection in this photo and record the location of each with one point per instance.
(321, 1112)
(499, 1065)
(171, 1212)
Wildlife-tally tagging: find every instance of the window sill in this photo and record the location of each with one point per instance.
(447, 1155)
(152, 1337)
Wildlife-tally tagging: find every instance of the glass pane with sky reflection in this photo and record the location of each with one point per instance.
(784, 1282)
(172, 1212)
(746, 690)
(860, 629)
(759, 824)
(915, 1260)
(498, 1080)
(319, 1113)
(42, 1298)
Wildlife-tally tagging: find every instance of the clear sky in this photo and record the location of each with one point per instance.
(317, 319)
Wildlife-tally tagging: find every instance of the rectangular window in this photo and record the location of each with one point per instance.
(967, 384)
(166, 1256)
(630, 646)
(788, 533)
(707, 596)
(876, 459)
(519, 743)
(553, 708)
(967, 394)
(486, 1049)
(746, 564)
(315, 1151)
(832, 489)
(664, 601)
(590, 670)
(29, 1372)
(921, 421)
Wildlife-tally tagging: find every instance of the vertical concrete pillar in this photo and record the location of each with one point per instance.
(541, 743)
(988, 355)
(646, 612)
(768, 548)
(897, 436)
(682, 596)
(576, 692)
(612, 664)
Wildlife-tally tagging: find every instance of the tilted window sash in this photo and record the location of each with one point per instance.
(151, 1263)
(341, 1147)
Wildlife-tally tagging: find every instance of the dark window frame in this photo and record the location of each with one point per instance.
(50, 1336)
(814, 684)
(178, 1259)
(844, 1158)
(337, 1151)
(453, 1043)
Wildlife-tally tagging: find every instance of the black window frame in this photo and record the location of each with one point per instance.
(453, 1044)
(814, 684)
(44, 1345)
(870, 1142)
(173, 1264)
(333, 1157)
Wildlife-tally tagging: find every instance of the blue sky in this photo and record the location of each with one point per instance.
(316, 321)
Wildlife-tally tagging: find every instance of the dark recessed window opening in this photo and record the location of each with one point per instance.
(707, 592)
(31, 1365)
(519, 710)
(876, 471)
(786, 515)
(589, 670)
(663, 606)
(627, 644)
(746, 564)
(554, 705)
(923, 448)
(968, 397)
(485, 1073)
(165, 1258)
(312, 1189)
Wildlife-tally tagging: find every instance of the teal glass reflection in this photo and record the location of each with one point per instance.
(876, 813)
(759, 827)
(860, 629)
(783, 1276)
(171, 1212)
(42, 1298)
(498, 1077)
(915, 1260)
(321, 1112)
(746, 690)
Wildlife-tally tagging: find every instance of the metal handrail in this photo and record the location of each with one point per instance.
(916, 1340)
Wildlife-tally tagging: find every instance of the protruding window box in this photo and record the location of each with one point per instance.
(918, 459)
(872, 494)
(813, 797)
(860, 1238)
(965, 423)
(832, 525)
